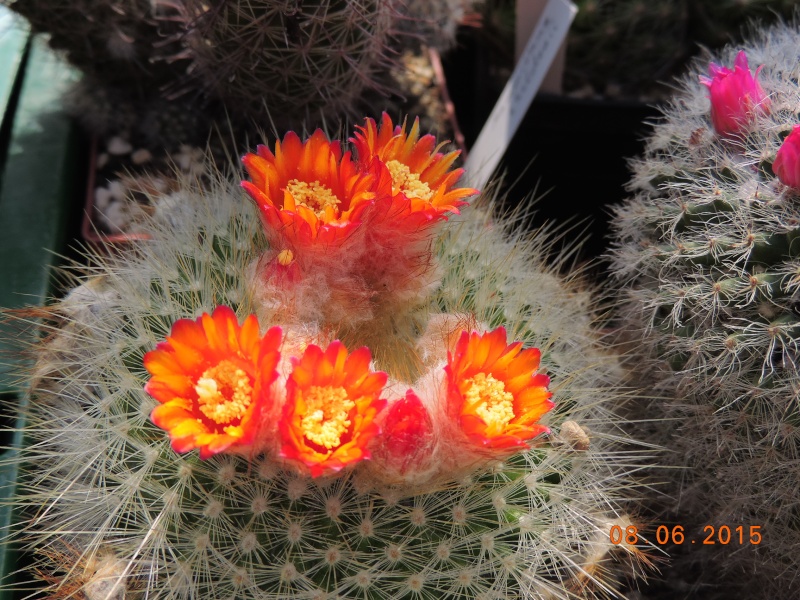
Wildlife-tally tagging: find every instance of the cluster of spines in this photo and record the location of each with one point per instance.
(708, 256)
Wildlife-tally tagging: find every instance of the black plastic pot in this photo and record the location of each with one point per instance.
(573, 152)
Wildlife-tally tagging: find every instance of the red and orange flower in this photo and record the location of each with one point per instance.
(494, 391)
(309, 192)
(213, 379)
(332, 399)
(423, 183)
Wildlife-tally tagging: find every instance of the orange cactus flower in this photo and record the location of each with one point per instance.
(423, 183)
(212, 378)
(494, 390)
(332, 399)
(308, 191)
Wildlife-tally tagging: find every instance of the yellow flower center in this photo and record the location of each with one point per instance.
(407, 182)
(285, 257)
(312, 195)
(488, 398)
(224, 392)
(326, 418)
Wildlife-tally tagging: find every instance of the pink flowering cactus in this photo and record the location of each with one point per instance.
(736, 96)
(787, 161)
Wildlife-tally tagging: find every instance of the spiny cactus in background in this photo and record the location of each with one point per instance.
(293, 59)
(628, 47)
(708, 254)
(435, 22)
(271, 61)
(295, 465)
(112, 40)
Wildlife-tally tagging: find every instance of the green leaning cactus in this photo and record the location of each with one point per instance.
(109, 509)
(707, 255)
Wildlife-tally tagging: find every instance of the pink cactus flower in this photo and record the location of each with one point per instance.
(736, 96)
(787, 161)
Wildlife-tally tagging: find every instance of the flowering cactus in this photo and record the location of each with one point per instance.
(707, 254)
(203, 425)
(322, 208)
(736, 96)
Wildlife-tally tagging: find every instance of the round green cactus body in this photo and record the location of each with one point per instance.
(708, 256)
(111, 509)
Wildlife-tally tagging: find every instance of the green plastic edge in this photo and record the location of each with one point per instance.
(36, 196)
(13, 39)
(35, 191)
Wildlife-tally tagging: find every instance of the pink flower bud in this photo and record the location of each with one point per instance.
(787, 161)
(736, 96)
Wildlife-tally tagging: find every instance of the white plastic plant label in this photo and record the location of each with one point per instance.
(519, 92)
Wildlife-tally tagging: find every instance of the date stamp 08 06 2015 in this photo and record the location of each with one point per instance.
(722, 535)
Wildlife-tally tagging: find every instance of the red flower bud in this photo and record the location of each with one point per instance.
(407, 433)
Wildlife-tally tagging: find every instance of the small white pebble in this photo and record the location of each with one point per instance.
(141, 156)
(102, 160)
(102, 196)
(116, 217)
(117, 190)
(118, 146)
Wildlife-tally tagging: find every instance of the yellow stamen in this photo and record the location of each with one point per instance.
(312, 195)
(327, 414)
(490, 400)
(407, 182)
(224, 392)
(285, 257)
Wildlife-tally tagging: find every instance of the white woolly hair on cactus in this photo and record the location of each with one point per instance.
(108, 509)
(706, 253)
